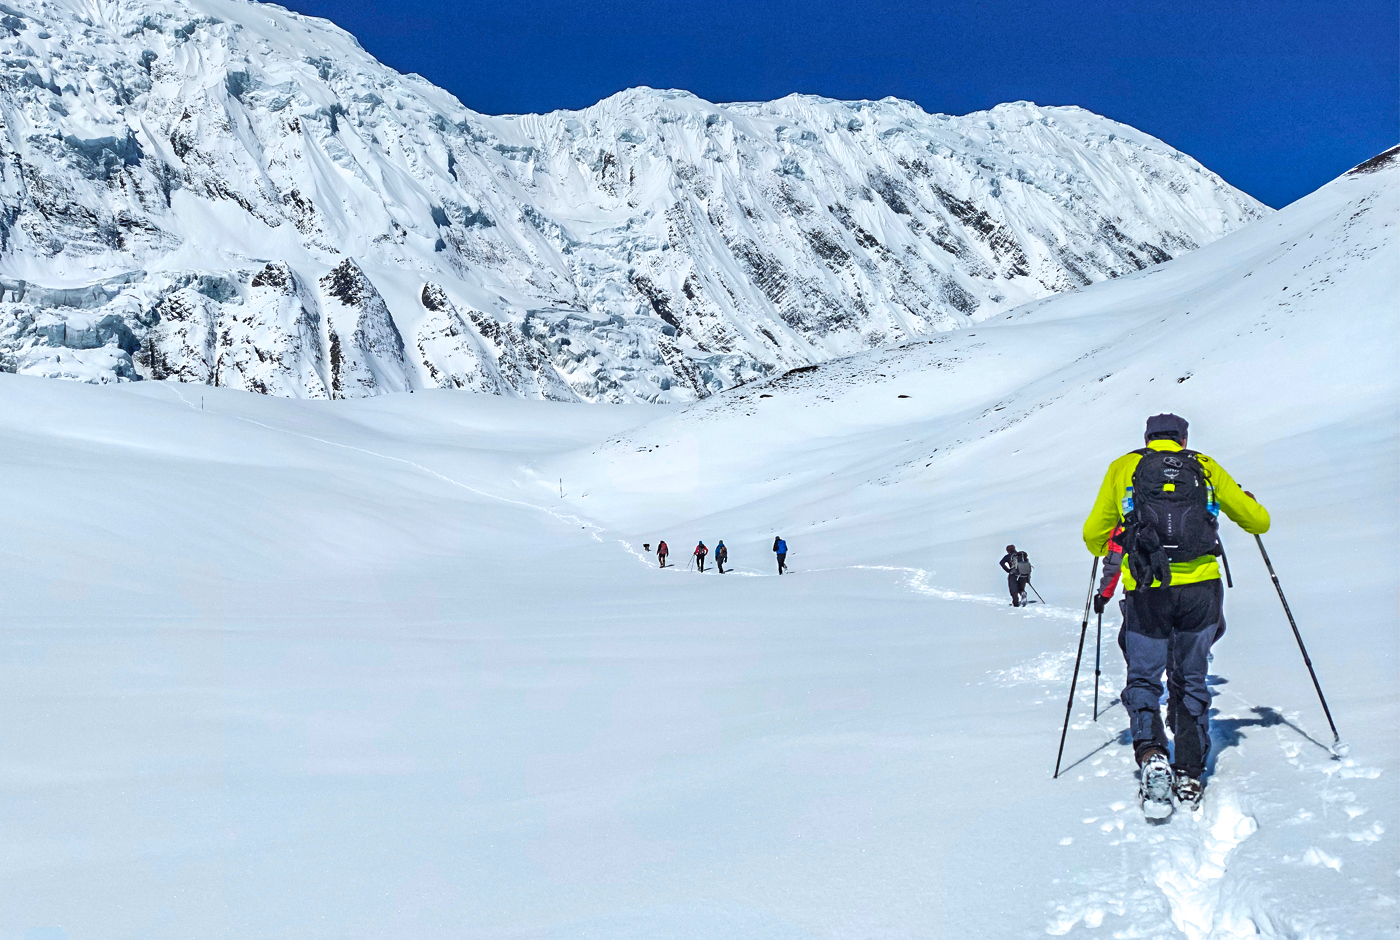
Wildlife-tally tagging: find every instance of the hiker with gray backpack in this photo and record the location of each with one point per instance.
(1017, 566)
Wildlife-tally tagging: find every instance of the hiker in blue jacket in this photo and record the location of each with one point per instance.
(780, 548)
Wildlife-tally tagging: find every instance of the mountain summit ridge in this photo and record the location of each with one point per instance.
(190, 189)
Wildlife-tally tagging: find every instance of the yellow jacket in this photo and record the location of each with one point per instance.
(1116, 499)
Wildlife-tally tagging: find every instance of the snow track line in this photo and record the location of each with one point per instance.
(1191, 871)
(918, 581)
(592, 528)
(917, 577)
(1180, 873)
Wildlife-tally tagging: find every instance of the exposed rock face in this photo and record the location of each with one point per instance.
(229, 193)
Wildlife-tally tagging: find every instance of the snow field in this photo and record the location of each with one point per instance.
(281, 668)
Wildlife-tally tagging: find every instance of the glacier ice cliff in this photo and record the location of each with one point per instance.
(229, 193)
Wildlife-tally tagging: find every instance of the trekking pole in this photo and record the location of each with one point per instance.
(1037, 593)
(1098, 654)
(1083, 629)
(1338, 749)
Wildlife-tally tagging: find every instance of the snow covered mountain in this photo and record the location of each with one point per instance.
(367, 669)
(232, 194)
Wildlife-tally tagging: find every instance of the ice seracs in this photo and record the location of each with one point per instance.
(159, 156)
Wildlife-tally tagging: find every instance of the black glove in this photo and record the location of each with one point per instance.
(1161, 568)
(1100, 602)
(1147, 560)
(1154, 567)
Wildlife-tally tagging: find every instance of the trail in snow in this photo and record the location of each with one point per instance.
(917, 579)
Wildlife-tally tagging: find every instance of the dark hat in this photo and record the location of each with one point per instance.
(1167, 425)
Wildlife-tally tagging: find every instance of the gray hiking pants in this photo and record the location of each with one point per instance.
(1171, 630)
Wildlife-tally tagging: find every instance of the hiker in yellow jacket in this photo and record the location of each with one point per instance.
(1173, 598)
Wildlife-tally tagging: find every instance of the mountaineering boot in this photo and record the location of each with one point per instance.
(1155, 791)
(1188, 791)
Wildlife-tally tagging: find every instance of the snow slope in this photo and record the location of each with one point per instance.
(231, 194)
(309, 668)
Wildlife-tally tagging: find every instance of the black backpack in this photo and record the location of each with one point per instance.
(1171, 511)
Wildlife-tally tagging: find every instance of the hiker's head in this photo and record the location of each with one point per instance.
(1166, 427)
(1011, 548)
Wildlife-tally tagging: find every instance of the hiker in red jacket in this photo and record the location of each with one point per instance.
(661, 552)
(1112, 570)
(700, 552)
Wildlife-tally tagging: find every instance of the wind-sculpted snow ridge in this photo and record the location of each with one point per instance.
(233, 194)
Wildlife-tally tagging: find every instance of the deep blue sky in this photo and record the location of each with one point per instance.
(1277, 97)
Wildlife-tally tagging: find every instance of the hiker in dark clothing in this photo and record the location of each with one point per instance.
(661, 552)
(721, 555)
(1017, 566)
(780, 548)
(700, 552)
(1112, 571)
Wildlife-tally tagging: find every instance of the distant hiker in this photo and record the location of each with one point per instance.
(721, 555)
(661, 552)
(1167, 498)
(780, 548)
(700, 552)
(1017, 566)
(1112, 568)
